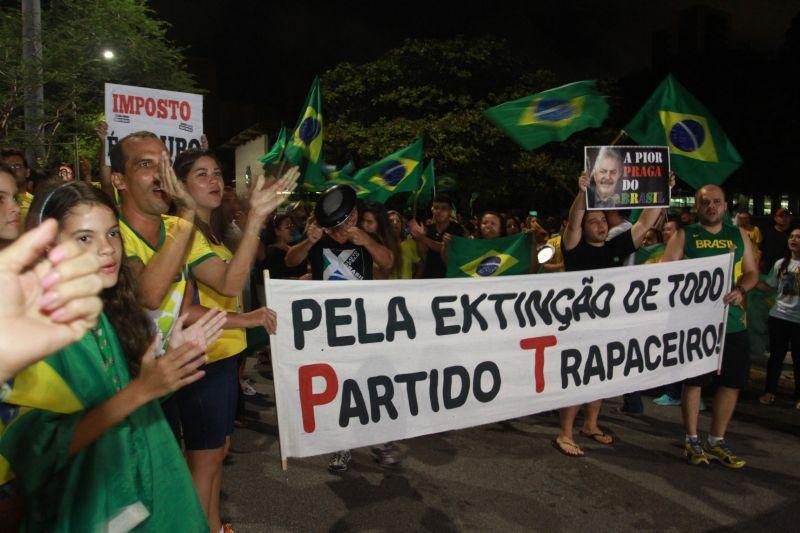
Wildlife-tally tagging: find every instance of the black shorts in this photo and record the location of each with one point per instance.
(735, 365)
(208, 406)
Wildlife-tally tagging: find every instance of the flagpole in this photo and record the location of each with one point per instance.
(618, 138)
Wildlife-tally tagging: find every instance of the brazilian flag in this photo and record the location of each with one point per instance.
(649, 254)
(424, 191)
(480, 258)
(700, 152)
(304, 147)
(552, 115)
(396, 173)
(276, 151)
(332, 173)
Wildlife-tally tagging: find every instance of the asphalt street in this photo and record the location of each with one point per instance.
(507, 477)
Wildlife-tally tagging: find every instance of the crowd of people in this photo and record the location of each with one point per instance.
(137, 299)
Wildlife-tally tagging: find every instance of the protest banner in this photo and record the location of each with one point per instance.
(175, 117)
(363, 362)
(627, 177)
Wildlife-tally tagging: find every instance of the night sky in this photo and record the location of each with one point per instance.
(256, 58)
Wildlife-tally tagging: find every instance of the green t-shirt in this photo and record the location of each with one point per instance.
(701, 243)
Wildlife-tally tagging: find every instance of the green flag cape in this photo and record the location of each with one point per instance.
(132, 477)
(277, 149)
(552, 115)
(478, 258)
(304, 147)
(699, 151)
(396, 173)
(424, 191)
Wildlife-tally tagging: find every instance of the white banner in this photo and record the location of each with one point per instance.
(363, 362)
(175, 117)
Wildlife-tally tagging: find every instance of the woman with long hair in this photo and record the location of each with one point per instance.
(784, 319)
(279, 235)
(372, 218)
(208, 407)
(88, 441)
(409, 254)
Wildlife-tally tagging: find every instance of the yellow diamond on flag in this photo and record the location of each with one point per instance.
(688, 135)
(492, 263)
(552, 112)
(309, 134)
(394, 172)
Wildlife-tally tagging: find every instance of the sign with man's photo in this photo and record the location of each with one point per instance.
(627, 177)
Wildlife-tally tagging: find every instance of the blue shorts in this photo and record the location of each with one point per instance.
(208, 406)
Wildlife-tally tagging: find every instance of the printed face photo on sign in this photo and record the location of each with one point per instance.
(627, 177)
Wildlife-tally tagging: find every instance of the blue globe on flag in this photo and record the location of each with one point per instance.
(553, 110)
(687, 135)
(309, 129)
(393, 172)
(488, 266)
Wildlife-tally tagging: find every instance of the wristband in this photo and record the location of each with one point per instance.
(741, 289)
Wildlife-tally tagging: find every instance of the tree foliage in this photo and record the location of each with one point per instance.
(74, 35)
(441, 87)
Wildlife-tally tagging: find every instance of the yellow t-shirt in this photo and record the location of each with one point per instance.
(24, 199)
(232, 341)
(558, 256)
(137, 248)
(409, 258)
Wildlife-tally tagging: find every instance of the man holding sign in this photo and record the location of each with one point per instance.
(710, 236)
(585, 247)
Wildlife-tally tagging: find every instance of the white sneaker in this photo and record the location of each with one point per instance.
(340, 462)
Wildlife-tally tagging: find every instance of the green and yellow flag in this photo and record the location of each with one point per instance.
(699, 150)
(396, 173)
(480, 258)
(276, 151)
(552, 115)
(305, 145)
(649, 254)
(424, 191)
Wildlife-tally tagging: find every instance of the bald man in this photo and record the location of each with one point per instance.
(706, 238)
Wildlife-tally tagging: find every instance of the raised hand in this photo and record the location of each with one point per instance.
(583, 182)
(202, 333)
(267, 194)
(357, 236)
(175, 369)
(101, 130)
(49, 306)
(416, 228)
(172, 186)
(314, 232)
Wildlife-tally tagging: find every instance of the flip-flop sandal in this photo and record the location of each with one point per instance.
(597, 436)
(558, 446)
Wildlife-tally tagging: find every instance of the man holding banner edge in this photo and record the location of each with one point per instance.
(585, 247)
(711, 236)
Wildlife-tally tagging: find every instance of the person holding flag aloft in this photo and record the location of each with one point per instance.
(585, 247)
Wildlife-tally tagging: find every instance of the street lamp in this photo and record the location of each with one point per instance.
(108, 54)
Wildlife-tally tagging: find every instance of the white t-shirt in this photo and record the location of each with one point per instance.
(787, 301)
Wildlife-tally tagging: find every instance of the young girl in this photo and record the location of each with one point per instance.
(87, 439)
(9, 208)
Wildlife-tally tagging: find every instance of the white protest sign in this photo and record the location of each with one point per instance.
(174, 116)
(363, 362)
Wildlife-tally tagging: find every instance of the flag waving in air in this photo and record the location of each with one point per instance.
(700, 152)
(396, 173)
(552, 115)
(424, 191)
(479, 258)
(277, 149)
(305, 144)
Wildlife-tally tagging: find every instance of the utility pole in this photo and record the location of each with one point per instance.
(32, 79)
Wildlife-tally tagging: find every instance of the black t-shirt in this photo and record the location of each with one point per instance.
(275, 262)
(333, 261)
(587, 257)
(773, 246)
(434, 266)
